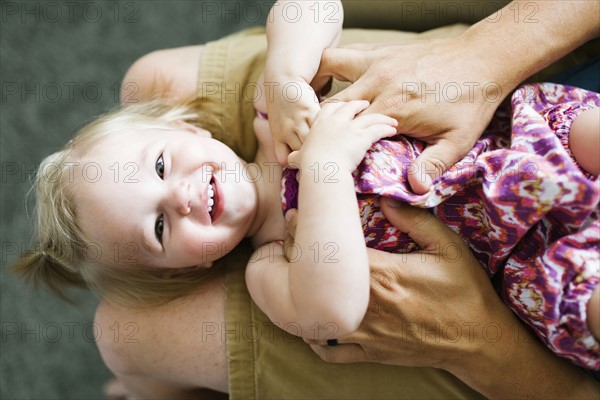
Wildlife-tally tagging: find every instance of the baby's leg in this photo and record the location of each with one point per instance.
(584, 139)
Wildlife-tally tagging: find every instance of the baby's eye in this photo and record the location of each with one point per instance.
(158, 228)
(160, 166)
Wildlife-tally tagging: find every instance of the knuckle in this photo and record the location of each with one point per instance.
(420, 217)
(437, 164)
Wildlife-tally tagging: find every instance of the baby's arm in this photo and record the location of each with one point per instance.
(324, 288)
(297, 34)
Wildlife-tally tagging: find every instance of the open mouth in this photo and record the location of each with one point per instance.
(213, 200)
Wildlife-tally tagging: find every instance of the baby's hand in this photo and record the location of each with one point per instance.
(338, 134)
(292, 105)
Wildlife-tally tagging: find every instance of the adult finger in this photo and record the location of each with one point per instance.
(342, 64)
(345, 353)
(433, 162)
(365, 120)
(356, 91)
(322, 85)
(422, 226)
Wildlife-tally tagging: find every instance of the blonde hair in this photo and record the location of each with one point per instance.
(63, 257)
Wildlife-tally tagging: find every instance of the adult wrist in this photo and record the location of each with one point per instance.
(498, 342)
(495, 65)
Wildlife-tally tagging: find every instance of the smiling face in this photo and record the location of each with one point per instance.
(167, 199)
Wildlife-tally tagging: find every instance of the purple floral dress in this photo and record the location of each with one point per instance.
(527, 210)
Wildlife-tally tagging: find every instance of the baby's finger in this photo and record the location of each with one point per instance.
(293, 159)
(293, 141)
(282, 152)
(380, 131)
(302, 131)
(330, 106)
(291, 219)
(289, 245)
(366, 120)
(350, 109)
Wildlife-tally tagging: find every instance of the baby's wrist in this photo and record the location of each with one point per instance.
(284, 72)
(324, 165)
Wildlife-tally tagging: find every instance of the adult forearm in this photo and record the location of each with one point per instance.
(525, 37)
(519, 366)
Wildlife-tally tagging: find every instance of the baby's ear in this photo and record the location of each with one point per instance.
(191, 128)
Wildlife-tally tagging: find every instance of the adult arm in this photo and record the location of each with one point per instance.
(437, 308)
(445, 91)
(171, 74)
(175, 351)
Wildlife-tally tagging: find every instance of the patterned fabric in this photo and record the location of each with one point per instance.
(521, 203)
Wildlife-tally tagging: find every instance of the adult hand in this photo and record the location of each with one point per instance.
(434, 307)
(437, 308)
(438, 92)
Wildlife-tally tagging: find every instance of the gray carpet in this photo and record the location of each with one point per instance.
(60, 65)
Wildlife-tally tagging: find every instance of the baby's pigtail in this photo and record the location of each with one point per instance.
(39, 267)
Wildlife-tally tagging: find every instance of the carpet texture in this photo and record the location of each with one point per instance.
(61, 64)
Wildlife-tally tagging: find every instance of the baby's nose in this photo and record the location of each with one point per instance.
(180, 198)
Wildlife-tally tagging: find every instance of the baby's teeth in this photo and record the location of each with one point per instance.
(210, 194)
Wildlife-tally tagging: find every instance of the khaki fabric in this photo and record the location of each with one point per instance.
(230, 68)
(264, 361)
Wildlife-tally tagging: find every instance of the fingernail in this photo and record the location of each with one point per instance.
(392, 202)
